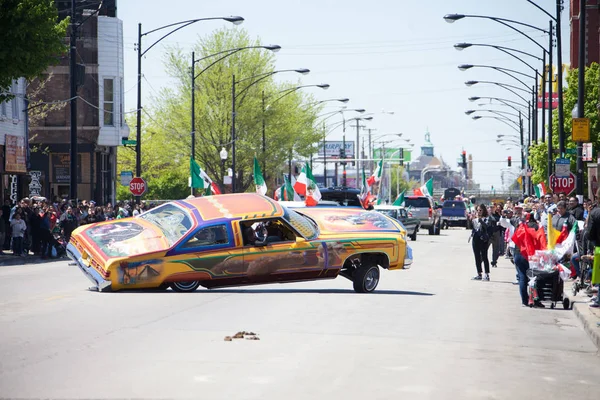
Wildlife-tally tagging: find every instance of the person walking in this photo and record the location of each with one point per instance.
(496, 234)
(482, 225)
(18, 231)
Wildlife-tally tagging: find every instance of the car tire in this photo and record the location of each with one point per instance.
(445, 225)
(185, 286)
(413, 237)
(366, 278)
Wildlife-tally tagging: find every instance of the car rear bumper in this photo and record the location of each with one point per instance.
(97, 279)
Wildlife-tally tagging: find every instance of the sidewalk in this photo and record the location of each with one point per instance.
(9, 259)
(589, 317)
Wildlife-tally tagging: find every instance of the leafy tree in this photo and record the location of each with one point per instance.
(166, 131)
(32, 39)
(538, 153)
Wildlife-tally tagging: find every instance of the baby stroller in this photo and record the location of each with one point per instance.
(59, 245)
(546, 286)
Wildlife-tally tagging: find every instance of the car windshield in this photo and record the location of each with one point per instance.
(454, 204)
(389, 213)
(173, 221)
(307, 227)
(417, 202)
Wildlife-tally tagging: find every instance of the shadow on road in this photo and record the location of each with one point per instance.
(321, 291)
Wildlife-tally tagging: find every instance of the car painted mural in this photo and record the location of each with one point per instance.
(238, 239)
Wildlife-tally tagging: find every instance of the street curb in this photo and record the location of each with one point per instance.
(15, 261)
(589, 321)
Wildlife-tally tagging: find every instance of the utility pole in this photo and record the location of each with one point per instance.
(73, 82)
(550, 149)
(581, 94)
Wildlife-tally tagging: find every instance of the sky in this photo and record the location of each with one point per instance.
(386, 56)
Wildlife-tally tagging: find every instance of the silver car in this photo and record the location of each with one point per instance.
(422, 207)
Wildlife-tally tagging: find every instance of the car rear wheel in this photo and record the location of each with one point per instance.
(366, 278)
(185, 286)
(413, 237)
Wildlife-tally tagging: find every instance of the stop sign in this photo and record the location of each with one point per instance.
(562, 184)
(137, 186)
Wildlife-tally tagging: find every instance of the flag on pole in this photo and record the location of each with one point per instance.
(200, 180)
(287, 192)
(366, 188)
(540, 190)
(376, 177)
(259, 181)
(426, 189)
(400, 199)
(554, 235)
(307, 186)
(566, 245)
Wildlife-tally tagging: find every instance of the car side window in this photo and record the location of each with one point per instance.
(267, 231)
(209, 236)
(402, 213)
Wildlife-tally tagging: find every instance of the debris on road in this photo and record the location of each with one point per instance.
(242, 335)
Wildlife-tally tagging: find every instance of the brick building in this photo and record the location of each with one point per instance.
(100, 119)
(592, 47)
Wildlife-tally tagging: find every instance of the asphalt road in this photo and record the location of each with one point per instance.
(426, 333)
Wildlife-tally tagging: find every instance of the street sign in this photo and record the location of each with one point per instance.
(128, 142)
(126, 177)
(571, 151)
(581, 129)
(137, 186)
(586, 152)
(562, 184)
(562, 167)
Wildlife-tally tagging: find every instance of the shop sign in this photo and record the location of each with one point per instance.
(15, 158)
(35, 186)
(61, 168)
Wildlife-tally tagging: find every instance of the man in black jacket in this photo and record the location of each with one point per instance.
(562, 217)
(576, 209)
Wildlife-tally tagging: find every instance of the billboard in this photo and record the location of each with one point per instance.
(332, 149)
(15, 157)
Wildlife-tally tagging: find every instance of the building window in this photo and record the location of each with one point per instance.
(109, 103)
(14, 103)
(121, 103)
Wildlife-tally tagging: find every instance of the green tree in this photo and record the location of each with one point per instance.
(166, 143)
(32, 39)
(538, 153)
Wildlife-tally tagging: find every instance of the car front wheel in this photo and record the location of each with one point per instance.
(366, 278)
(185, 286)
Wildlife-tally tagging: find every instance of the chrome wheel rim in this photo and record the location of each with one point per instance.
(371, 279)
(185, 285)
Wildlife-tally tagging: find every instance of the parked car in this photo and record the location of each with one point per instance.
(423, 208)
(345, 196)
(238, 239)
(410, 223)
(454, 213)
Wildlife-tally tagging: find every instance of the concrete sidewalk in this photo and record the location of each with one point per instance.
(589, 317)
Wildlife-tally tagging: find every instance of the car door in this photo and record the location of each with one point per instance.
(289, 258)
(213, 252)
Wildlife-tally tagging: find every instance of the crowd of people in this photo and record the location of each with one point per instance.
(494, 226)
(38, 226)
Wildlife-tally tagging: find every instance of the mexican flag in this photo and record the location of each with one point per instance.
(287, 192)
(200, 180)
(366, 188)
(259, 181)
(566, 246)
(540, 190)
(376, 177)
(400, 200)
(555, 237)
(426, 189)
(307, 186)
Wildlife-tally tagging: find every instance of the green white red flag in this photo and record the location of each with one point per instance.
(426, 189)
(376, 177)
(259, 181)
(540, 190)
(306, 186)
(200, 180)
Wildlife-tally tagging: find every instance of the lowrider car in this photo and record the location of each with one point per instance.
(238, 239)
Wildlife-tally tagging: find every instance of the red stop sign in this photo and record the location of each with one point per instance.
(562, 184)
(137, 186)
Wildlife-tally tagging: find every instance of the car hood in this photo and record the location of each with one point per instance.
(342, 220)
(120, 238)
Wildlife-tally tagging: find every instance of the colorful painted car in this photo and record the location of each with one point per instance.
(238, 239)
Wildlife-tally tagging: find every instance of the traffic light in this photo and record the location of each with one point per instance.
(509, 161)
(464, 159)
(342, 152)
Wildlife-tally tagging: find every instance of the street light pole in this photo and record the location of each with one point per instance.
(193, 114)
(233, 178)
(73, 82)
(581, 95)
(561, 117)
(550, 149)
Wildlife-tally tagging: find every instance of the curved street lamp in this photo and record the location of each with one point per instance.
(506, 86)
(501, 113)
(234, 96)
(272, 47)
(176, 26)
(506, 71)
